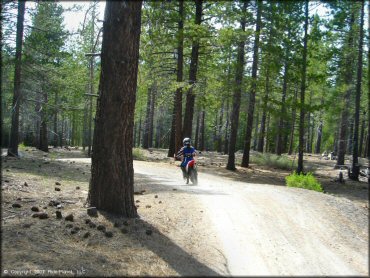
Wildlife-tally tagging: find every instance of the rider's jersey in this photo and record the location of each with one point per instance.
(188, 153)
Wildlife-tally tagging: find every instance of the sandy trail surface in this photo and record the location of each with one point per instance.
(266, 229)
(274, 230)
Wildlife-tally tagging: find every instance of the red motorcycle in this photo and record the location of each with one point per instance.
(191, 172)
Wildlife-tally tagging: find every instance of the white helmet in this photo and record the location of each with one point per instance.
(186, 141)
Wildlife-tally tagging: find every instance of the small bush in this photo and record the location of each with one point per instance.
(272, 160)
(307, 181)
(22, 146)
(138, 154)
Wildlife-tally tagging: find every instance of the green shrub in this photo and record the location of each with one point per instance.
(138, 154)
(273, 160)
(22, 146)
(307, 181)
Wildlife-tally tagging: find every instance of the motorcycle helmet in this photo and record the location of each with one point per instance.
(186, 141)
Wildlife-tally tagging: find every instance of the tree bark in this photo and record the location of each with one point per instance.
(219, 131)
(56, 121)
(190, 97)
(139, 132)
(226, 141)
(355, 165)
(318, 140)
(279, 143)
(176, 128)
(43, 144)
(196, 141)
(151, 116)
(350, 138)
(368, 95)
(84, 141)
(112, 174)
(237, 93)
(302, 95)
(14, 132)
(361, 142)
(255, 140)
(252, 94)
(261, 138)
(267, 144)
(342, 142)
(294, 115)
(201, 130)
(146, 122)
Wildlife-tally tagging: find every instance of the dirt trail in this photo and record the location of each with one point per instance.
(222, 226)
(274, 230)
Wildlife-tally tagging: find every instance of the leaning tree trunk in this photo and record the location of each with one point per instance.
(237, 93)
(355, 166)
(303, 89)
(342, 142)
(112, 174)
(14, 132)
(176, 128)
(252, 94)
(190, 97)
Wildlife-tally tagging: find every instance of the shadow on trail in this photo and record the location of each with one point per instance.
(181, 261)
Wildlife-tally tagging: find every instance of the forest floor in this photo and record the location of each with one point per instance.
(244, 222)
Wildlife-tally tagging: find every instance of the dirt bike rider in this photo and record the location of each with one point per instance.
(187, 152)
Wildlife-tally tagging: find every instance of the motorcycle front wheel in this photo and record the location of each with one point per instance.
(194, 176)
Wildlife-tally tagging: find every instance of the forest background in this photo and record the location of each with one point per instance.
(234, 68)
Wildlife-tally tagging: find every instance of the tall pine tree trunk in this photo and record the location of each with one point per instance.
(279, 143)
(368, 97)
(14, 132)
(302, 95)
(237, 93)
(56, 121)
(361, 142)
(43, 141)
(262, 134)
(318, 140)
(294, 115)
(112, 174)
(197, 124)
(176, 128)
(190, 97)
(139, 132)
(146, 122)
(151, 116)
(255, 140)
(219, 131)
(355, 166)
(342, 140)
(226, 140)
(252, 93)
(201, 130)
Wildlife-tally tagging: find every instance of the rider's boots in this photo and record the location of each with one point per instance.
(183, 172)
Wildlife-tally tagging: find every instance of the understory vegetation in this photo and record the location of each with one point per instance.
(306, 181)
